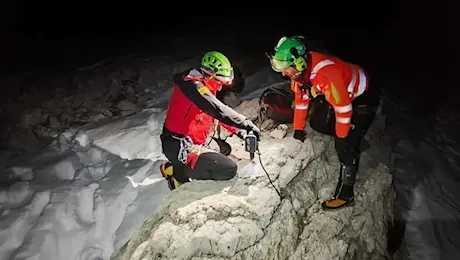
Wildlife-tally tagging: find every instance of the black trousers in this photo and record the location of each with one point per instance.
(364, 110)
(211, 165)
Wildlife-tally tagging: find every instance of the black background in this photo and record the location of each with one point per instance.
(411, 39)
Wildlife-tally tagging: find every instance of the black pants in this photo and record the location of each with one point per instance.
(364, 109)
(210, 165)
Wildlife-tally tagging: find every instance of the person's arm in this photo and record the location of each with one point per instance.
(302, 101)
(202, 97)
(231, 129)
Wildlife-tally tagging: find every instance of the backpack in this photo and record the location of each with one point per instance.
(277, 103)
(321, 116)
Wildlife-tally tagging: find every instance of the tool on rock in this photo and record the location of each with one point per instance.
(251, 144)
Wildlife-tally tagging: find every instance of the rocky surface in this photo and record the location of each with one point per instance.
(104, 90)
(245, 218)
(43, 104)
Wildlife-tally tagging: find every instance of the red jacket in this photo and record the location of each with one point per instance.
(193, 107)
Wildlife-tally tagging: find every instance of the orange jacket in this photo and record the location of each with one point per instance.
(339, 81)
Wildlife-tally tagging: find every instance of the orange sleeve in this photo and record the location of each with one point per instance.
(302, 101)
(337, 95)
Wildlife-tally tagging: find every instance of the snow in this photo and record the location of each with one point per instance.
(426, 182)
(86, 199)
(82, 197)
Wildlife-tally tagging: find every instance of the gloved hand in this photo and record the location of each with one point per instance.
(248, 125)
(300, 135)
(241, 133)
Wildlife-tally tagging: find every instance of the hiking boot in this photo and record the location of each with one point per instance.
(167, 172)
(344, 194)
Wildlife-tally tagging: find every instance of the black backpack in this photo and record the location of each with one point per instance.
(321, 116)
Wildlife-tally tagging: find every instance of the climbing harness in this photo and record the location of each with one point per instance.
(186, 147)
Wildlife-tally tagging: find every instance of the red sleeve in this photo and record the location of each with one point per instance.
(231, 129)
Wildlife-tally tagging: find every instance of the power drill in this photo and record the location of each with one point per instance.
(250, 144)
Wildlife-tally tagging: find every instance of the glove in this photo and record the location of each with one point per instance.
(248, 125)
(300, 135)
(241, 133)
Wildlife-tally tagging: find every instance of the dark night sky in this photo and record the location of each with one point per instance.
(376, 34)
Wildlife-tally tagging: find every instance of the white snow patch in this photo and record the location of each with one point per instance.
(85, 201)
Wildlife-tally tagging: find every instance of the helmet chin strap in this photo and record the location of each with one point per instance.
(297, 75)
(212, 79)
(214, 76)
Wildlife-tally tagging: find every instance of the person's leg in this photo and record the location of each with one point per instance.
(173, 171)
(348, 149)
(220, 146)
(212, 166)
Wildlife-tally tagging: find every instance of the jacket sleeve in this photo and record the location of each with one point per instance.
(231, 129)
(202, 97)
(302, 101)
(337, 95)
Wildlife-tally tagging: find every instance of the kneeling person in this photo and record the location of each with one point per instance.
(192, 109)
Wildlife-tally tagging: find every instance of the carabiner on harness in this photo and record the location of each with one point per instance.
(185, 144)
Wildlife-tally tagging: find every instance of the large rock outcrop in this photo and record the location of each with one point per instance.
(246, 219)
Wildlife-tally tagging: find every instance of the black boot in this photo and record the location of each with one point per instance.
(344, 194)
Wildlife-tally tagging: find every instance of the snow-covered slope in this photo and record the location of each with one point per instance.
(84, 196)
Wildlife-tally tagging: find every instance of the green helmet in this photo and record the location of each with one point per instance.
(217, 65)
(289, 51)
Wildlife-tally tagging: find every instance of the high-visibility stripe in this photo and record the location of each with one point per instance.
(357, 76)
(343, 109)
(301, 106)
(319, 66)
(343, 120)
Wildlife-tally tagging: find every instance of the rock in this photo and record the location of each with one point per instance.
(130, 91)
(245, 218)
(146, 79)
(22, 139)
(97, 117)
(249, 108)
(126, 106)
(267, 124)
(25, 173)
(280, 131)
(31, 117)
(231, 100)
(109, 88)
(145, 97)
(114, 90)
(54, 122)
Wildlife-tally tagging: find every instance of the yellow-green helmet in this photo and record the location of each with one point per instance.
(289, 51)
(217, 65)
